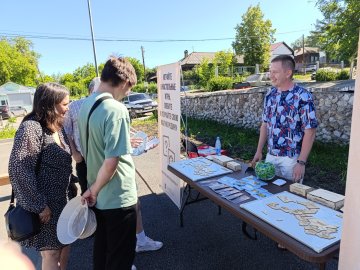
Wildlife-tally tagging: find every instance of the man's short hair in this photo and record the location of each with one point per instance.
(118, 70)
(94, 84)
(287, 62)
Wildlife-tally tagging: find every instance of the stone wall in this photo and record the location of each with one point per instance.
(243, 108)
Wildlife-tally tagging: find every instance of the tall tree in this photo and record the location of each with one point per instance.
(338, 33)
(18, 62)
(253, 38)
(139, 68)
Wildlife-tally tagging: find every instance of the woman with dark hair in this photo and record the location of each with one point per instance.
(40, 169)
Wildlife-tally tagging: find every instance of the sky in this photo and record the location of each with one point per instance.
(143, 21)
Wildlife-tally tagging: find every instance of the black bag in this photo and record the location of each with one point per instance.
(20, 223)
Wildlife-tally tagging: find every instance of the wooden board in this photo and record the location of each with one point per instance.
(289, 223)
(200, 168)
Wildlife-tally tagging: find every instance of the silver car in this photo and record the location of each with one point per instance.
(139, 103)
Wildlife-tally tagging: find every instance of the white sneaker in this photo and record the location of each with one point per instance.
(133, 267)
(148, 245)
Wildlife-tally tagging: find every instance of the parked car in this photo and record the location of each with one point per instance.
(241, 85)
(139, 103)
(7, 112)
(308, 68)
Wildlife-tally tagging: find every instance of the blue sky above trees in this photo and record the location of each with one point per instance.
(142, 20)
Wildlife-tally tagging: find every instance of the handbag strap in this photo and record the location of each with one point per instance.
(96, 104)
(37, 169)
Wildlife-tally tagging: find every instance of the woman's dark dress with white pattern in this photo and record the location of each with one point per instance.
(40, 180)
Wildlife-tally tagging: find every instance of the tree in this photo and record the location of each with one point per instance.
(308, 42)
(224, 61)
(205, 72)
(338, 33)
(253, 38)
(139, 68)
(18, 62)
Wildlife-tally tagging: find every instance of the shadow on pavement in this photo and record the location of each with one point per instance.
(207, 241)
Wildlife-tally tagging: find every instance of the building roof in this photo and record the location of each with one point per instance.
(195, 58)
(307, 50)
(11, 87)
(274, 46)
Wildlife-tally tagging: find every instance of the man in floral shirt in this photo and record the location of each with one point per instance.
(289, 122)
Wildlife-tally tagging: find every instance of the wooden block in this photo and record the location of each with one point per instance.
(233, 165)
(210, 157)
(327, 198)
(300, 189)
(222, 160)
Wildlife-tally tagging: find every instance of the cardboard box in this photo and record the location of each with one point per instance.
(300, 189)
(222, 160)
(327, 198)
(233, 165)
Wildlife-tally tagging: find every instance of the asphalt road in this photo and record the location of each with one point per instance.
(207, 240)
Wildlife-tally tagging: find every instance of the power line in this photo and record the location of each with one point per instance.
(79, 38)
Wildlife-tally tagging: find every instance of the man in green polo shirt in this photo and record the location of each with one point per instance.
(110, 168)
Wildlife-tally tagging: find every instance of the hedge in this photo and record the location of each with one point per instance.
(219, 83)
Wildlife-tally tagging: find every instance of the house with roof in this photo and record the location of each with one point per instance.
(280, 48)
(189, 61)
(308, 55)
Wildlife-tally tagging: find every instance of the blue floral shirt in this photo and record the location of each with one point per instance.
(288, 114)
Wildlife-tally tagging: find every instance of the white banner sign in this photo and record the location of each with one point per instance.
(168, 84)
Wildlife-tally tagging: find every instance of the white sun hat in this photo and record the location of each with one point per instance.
(76, 221)
(90, 227)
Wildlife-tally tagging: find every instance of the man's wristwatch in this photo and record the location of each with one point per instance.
(301, 162)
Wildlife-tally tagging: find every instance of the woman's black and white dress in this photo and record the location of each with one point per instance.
(39, 172)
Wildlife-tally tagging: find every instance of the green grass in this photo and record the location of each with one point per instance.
(12, 120)
(148, 121)
(327, 163)
(7, 132)
(239, 142)
(302, 77)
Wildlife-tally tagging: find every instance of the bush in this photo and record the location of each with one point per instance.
(152, 88)
(343, 75)
(7, 132)
(324, 75)
(240, 77)
(219, 83)
(140, 88)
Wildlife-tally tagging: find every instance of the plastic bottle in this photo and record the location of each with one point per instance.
(218, 146)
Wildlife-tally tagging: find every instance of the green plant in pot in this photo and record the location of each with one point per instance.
(265, 170)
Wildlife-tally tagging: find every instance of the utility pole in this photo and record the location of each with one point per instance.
(143, 59)
(303, 58)
(92, 38)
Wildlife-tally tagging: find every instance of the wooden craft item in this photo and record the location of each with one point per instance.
(300, 189)
(222, 160)
(327, 198)
(233, 165)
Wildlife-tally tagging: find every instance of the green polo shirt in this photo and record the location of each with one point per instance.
(109, 136)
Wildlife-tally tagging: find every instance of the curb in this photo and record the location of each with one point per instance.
(6, 140)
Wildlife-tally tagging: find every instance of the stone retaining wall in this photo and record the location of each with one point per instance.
(243, 108)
